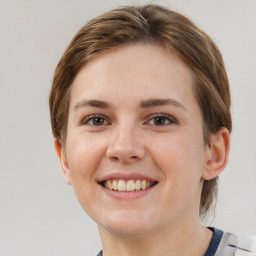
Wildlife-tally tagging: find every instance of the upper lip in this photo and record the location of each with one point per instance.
(125, 176)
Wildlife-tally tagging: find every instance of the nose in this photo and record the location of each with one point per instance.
(125, 146)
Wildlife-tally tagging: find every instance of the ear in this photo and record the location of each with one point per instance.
(63, 161)
(216, 154)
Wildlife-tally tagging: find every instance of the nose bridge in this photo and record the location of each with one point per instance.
(126, 143)
(126, 135)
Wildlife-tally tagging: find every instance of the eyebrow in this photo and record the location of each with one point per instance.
(143, 104)
(92, 103)
(160, 102)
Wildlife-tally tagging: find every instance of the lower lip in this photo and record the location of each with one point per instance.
(127, 195)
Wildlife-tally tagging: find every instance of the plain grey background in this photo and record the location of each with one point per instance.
(39, 214)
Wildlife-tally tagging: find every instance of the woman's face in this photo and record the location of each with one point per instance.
(135, 152)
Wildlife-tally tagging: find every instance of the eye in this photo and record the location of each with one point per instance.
(161, 120)
(95, 120)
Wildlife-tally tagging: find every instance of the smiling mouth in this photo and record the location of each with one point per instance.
(128, 185)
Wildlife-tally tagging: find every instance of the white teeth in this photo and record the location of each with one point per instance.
(138, 184)
(130, 185)
(114, 185)
(109, 184)
(121, 185)
(144, 184)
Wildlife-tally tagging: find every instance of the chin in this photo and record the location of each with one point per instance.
(127, 225)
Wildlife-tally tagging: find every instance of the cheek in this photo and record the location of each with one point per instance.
(180, 158)
(84, 155)
(181, 165)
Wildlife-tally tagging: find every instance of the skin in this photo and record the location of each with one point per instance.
(127, 138)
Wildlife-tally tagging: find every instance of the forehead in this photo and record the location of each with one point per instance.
(140, 70)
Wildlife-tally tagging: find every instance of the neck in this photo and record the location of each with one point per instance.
(187, 239)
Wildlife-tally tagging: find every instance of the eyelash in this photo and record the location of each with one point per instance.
(88, 119)
(163, 116)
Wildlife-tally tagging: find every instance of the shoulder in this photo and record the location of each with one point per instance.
(247, 244)
(232, 244)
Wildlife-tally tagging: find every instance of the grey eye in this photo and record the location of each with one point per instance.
(98, 121)
(94, 120)
(161, 120)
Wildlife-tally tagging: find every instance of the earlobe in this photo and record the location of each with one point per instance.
(63, 161)
(217, 154)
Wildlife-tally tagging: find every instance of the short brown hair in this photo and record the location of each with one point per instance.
(155, 25)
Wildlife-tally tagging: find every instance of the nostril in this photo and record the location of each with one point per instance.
(114, 158)
(125, 152)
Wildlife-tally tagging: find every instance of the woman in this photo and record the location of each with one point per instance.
(140, 112)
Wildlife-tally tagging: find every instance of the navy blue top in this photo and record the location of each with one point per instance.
(217, 235)
(99, 254)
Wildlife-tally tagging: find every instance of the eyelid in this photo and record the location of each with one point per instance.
(88, 118)
(170, 118)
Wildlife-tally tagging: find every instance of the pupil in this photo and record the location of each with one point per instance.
(159, 120)
(98, 121)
